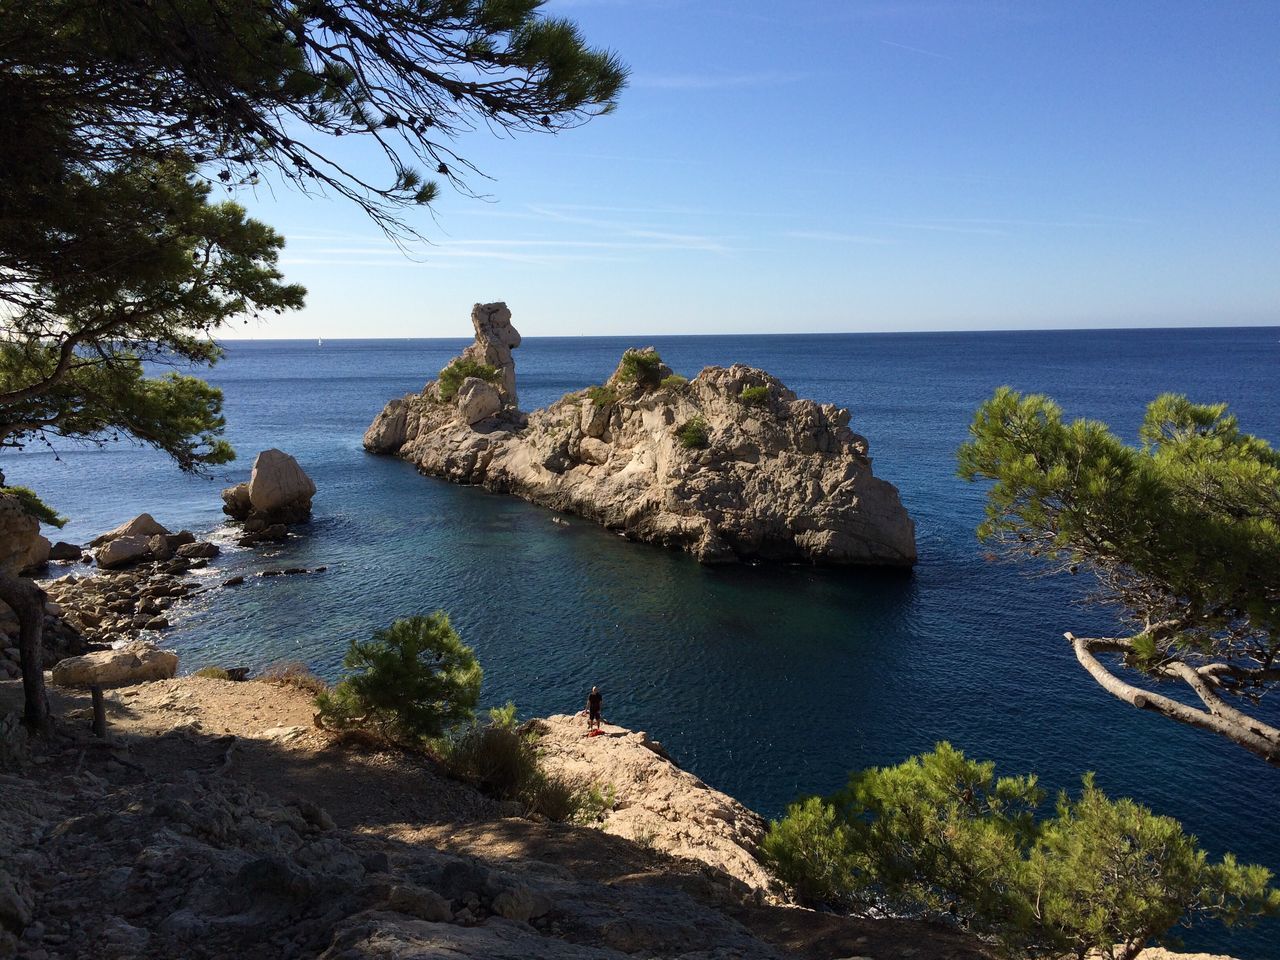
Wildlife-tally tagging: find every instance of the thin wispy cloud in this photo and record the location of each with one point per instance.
(828, 236)
(919, 50)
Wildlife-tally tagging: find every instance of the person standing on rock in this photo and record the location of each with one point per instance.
(594, 702)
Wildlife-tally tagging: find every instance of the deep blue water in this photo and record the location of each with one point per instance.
(767, 682)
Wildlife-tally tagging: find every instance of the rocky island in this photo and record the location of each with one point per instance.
(729, 466)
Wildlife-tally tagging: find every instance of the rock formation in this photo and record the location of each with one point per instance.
(135, 662)
(654, 801)
(22, 548)
(495, 339)
(729, 466)
(143, 539)
(278, 494)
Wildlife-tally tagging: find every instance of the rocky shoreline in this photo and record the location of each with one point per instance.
(728, 466)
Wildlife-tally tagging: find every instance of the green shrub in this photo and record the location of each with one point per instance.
(414, 680)
(33, 506)
(605, 396)
(808, 849)
(212, 673)
(293, 673)
(595, 803)
(694, 434)
(674, 382)
(496, 757)
(501, 759)
(754, 396)
(643, 367)
(941, 836)
(451, 377)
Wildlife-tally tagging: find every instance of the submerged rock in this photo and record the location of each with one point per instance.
(730, 465)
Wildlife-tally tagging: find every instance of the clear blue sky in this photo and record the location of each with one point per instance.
(841, 166)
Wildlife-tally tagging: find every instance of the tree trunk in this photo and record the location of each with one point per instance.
(27, 602)
(1220, 718)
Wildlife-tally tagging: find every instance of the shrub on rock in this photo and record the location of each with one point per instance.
(694, 434)
(452, 376)
(412, 681)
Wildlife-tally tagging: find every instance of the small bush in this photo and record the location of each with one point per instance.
(641, 366)
(412, 681)
(694, 434)
(808, 850)
(501, 759)
(595, 803)
(675, 383)
(293, 673)
(451, 377)
(212, 673)
(496, 757)
(754, 396)
(602, 397)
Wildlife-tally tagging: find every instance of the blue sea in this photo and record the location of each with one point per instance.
(768, 682)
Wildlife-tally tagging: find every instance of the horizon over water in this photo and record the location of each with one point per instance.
(768, 681)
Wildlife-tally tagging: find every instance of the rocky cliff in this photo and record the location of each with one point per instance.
(730, 465)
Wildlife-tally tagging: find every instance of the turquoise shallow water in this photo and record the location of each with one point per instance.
(768, 682)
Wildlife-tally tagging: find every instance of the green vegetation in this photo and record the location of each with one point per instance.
(32, 505)
(809, 850)
(413, 681)
(451, 377)
(643, 367)
(694, 434)
(941, 836)
(754, 396)
(674, 382)
(602, 397)
(502, 759)
(112, 252)
(293, 673)
(1181, 533)
(212, 673)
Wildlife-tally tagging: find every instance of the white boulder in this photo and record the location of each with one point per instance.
(477, 400)
(278, 482)
(135, 662)
(143, 525)
(123, 551)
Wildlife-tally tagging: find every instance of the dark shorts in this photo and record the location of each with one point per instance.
(593, 714)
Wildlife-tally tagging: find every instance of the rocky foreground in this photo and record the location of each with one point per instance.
(220, 822)
(730, 465)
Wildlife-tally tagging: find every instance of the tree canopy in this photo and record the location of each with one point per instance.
(120, 118)
(239, 87)
(1180, 533)
(942, 836)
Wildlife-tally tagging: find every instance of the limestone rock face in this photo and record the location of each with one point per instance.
(477, 400)
(698, 466)
(136, 662)
(655, 801)
(143, 525)
(387, 432)
(21, 545)
(495, 339)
